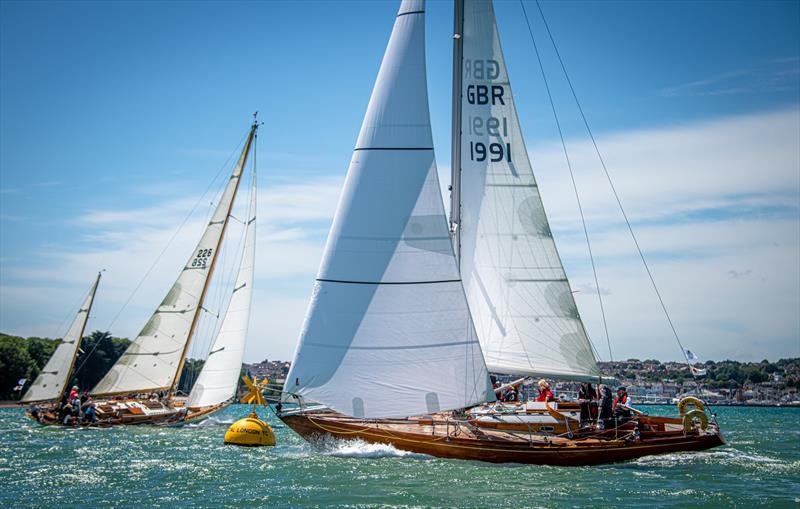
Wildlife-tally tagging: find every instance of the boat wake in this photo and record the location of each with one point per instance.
(731, 457)
(211, 421)
(362, 449)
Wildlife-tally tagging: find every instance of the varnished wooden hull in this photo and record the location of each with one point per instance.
(496, 447)
(172, 418)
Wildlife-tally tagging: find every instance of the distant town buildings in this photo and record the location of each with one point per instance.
(275, 371)
(652, 381)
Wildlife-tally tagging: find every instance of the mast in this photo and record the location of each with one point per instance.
(455, 170)
(214, 256)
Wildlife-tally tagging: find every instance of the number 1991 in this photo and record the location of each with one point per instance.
(496, 151)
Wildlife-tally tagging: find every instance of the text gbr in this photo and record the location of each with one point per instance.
(483, 126)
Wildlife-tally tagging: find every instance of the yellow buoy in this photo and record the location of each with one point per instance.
(250, 431)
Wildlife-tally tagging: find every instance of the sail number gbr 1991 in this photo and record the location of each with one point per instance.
(482, 126)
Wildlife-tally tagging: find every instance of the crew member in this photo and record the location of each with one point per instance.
(545, 394)
(587, 398)
(606, 407)
(622, 412)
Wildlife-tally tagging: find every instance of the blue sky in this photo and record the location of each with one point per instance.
(115, 117)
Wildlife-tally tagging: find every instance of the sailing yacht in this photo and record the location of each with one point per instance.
(140, 388)
(409, 312)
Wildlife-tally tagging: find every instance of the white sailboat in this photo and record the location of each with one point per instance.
(140, 387)
(51, 382)
(405, 324)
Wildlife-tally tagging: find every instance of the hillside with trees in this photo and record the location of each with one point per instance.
(25, 358)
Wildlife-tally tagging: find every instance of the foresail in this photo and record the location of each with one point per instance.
(53, 378)
(153, 359)
(219, 377)
(521, 301)
(388, 332)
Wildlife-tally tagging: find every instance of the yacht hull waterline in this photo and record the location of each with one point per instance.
(448, 439)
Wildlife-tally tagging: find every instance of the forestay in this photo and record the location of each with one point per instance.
(388, 332)
(51, 382)
(220, 374)
(153, 359)
(521, 302)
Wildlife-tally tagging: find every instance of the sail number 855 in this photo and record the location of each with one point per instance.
(496, 152)
(201, 260)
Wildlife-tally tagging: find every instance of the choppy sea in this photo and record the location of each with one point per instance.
(190, 467)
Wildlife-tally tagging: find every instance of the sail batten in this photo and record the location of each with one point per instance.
(388, 332)
(51, 382)
(154, 359)
(521, 301)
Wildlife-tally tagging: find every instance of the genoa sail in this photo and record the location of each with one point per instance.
(219, 377)
(388, 332)
(51, 382)
(154, 359)
(521, 302)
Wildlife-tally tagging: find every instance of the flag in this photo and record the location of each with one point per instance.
(20, 384)
(699, 372)
(691, 355)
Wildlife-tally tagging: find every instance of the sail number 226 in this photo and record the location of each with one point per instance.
(201, 260)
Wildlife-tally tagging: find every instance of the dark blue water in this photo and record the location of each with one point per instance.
(190, 467)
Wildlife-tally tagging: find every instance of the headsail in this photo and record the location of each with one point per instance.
(388, 332)
(154, 359)
(521, 302)
(53, 378)
(220, 374)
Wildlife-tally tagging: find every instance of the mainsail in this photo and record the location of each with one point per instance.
(154, 360)
(521, 302)
(220, 374)
(50, 384)
(388, 332)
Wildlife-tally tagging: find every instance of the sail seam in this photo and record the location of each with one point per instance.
(410, 12)
(323, 280)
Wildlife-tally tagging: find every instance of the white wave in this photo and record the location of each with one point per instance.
(362, 449)
(211, 421)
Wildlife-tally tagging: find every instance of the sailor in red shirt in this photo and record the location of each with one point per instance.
(622, 411)
(545, 394)
(73, 393)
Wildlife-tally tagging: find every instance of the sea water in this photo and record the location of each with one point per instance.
(148, 466)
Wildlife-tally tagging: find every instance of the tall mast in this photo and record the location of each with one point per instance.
(214, 255)
(455, 175)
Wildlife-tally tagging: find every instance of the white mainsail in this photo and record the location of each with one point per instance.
(219, 377)
(50, 384)
(521, 301)
(388, 332)
(154, 359)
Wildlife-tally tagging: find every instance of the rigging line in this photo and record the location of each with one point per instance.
(611, 185)
(571, 173)
(169, 242)
(175, 234)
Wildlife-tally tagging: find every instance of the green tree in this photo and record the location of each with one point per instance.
(100, 350)
(15, 363)
(191, 370)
